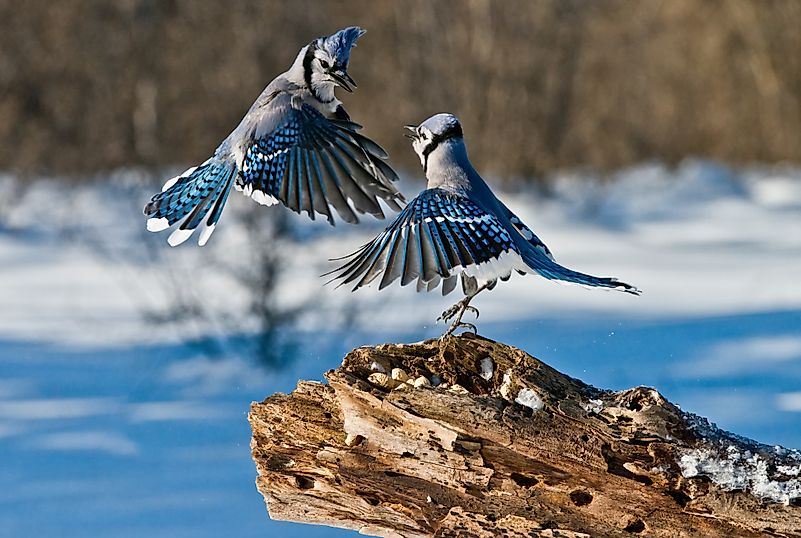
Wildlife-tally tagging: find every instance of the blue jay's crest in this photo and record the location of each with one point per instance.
(442, 124)
(339, 44)
(427, 136)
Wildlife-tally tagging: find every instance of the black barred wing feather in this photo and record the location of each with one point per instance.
(310, 163)
(437, 237)
(526, 232)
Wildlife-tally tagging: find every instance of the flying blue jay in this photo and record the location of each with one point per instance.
(455, 228)
(296, 145)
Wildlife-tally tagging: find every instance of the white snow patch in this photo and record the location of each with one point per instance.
(57, 408)
(91, 441)
(487, 368)
(741, 471)
(173, 411)
(506, 384)
(593, 407)
(789, 401)
(743, 355)
(377, 367)
(529, 398)
(669, 231)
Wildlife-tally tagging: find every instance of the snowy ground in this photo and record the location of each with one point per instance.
(115, 418)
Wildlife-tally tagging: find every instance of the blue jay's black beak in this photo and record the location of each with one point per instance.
(413, 129)
(343, 80)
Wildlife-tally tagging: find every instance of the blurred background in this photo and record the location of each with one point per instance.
(656, 141)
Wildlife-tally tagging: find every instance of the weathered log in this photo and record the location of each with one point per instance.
(485, 440)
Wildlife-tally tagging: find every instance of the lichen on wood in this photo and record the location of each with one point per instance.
(495, 442)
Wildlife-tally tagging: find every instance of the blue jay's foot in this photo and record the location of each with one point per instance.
(457, 311)
(459, 308)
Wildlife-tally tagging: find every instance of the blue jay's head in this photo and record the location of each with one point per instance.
(427, 136)
(326, 61)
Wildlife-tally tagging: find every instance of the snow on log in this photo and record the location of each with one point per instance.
(471, 437)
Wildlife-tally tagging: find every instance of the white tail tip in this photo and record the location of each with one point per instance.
(179, 236)
(205, 234)
(157, 225)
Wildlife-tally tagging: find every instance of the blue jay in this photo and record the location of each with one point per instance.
(456, 227)
(296, 145)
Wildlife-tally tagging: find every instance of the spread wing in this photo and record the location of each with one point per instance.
(526, 232)
(310, 163)
(434, 239)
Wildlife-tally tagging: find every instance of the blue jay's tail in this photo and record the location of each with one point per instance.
(540, 262)
(197, 194)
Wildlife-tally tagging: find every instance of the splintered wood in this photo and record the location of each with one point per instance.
(470, 437)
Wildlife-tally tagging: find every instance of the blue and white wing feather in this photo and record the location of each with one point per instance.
(195, 197)
(309, 163)
(436, 238)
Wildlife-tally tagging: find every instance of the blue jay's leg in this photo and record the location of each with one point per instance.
(458, 310)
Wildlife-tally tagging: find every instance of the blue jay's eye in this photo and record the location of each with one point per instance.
(324, 64)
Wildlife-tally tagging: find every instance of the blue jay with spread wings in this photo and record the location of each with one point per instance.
(456, 228)
(296, 145)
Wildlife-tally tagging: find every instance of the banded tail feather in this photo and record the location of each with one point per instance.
(193, 198)
(544, 265)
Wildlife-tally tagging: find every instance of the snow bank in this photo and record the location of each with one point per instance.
(699, 240)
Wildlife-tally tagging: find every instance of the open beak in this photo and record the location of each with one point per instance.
(413, 129)
(343, 80)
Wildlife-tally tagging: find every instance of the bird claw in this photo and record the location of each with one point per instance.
(459, 325)
(468, 326)
(448, 314)
(458, 308)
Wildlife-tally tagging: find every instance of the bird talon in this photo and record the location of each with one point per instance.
(472, 309)
(467, 326)
(448, 314)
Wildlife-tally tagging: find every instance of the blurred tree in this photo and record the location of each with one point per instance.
(88, 85)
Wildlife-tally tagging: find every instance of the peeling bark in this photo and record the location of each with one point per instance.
(521, 450)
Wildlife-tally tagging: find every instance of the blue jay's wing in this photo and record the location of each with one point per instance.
(195, 197)
(310, 163)
(540, 260)
(435, 238)
(525, 231)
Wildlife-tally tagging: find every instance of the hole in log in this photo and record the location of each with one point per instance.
(392, 474)
(585, 437)
(407, 455)
(580, 497)
(524, 481)
(615, 465)
(304, 482)
(681, 498)
(369, 497)
(636, 526)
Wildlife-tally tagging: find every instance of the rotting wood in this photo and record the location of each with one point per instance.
(507, 446)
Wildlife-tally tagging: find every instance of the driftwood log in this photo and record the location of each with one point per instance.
(469, 437)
